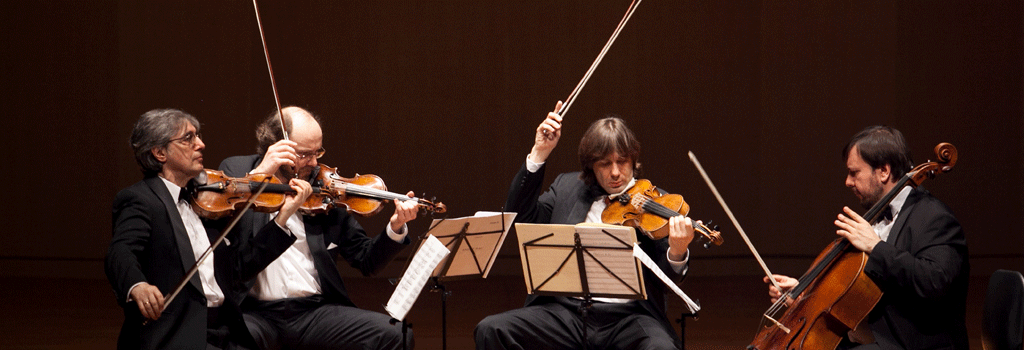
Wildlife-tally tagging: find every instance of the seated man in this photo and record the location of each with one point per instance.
(299, 301)
(917, 252)
(157, 239)
(609, 155)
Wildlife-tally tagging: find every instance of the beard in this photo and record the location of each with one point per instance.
(870, 196)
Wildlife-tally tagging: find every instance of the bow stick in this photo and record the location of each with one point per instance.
(575, 92)
(739, 228)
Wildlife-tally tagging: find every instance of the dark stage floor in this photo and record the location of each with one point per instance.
(81, 314)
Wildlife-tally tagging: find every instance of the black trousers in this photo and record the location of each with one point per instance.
(559, 325)
(311, 323)
(218, 336)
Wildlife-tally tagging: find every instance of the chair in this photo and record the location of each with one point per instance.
(1003, 317)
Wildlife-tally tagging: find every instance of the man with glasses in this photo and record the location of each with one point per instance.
(157, 238)
(299, 301)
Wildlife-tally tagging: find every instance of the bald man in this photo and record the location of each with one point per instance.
(299, 301)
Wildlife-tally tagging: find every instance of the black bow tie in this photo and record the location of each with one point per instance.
(886, 214)
(185, 192)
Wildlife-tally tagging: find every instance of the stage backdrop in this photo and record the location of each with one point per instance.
(443, 97)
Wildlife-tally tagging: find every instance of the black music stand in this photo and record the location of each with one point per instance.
(585, 261)
(474, 242)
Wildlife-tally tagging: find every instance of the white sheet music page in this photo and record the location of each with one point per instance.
(426, 259)
(647, 261)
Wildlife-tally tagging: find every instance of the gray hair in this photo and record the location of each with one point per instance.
(155, 129)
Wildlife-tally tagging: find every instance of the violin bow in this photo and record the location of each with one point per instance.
(215, 244)
(266, 54)
(209, 250)
(693, 158)
(579, 87)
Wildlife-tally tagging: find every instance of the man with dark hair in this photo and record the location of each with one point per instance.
(299, 301)
(917, 253)
(609, 155)
(157, 238)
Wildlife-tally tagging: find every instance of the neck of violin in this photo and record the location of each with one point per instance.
(667, 213)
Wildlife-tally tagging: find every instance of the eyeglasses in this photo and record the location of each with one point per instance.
(315, 154)
(189, 138)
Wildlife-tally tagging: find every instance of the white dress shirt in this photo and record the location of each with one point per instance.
(293, 274)
(882, 227)
(200, 242)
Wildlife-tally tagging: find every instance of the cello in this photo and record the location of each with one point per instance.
(835, 294)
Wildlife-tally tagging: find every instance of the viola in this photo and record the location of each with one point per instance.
(646, 208)
(218, 195)
(835, 294)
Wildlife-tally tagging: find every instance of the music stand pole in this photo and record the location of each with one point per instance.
(587, 300)
(439, 287)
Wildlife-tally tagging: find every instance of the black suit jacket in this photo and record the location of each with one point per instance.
(368, 255)
(923, 271)
(567, 202)
(150, 245)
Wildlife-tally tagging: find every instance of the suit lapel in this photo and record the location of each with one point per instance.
(581, 206)
(901, 221)
(188, 259)
(321, 257)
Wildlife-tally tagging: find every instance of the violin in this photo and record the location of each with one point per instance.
(835, 294)
(361, 194)
(218, 195)
(644, 207)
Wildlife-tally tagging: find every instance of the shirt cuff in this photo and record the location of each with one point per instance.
(129, 299)
(679, 267)
(531, 166)
(397, 236)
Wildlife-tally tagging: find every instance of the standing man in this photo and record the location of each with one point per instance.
(917, 252)
(157, 238)
(299, 301)
(609, 155)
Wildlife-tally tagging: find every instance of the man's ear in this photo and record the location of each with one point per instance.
(885, 173)
(160, 153)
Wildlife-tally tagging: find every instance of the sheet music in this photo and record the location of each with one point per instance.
(550, 263)
(647, 261)
(426, 259)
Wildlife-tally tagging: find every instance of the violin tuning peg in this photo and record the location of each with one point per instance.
(707, 245)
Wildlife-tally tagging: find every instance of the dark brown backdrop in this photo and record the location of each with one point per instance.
(442, 97)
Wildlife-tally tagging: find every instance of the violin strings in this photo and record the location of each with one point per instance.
(622, 23)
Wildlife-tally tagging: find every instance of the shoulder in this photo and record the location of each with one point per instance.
(137, 195)
(569, 179)
(236, 165)
(928, 208)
